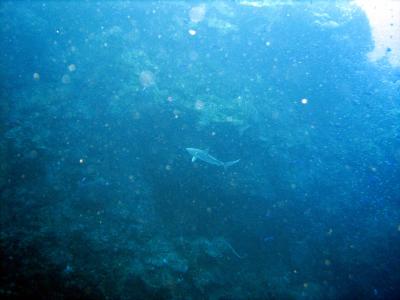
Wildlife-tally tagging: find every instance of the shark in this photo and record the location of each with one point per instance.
(206, 157)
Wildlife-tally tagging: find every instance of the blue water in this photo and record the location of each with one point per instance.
(101, 200)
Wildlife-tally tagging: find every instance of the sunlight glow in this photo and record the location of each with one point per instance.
(384, 19)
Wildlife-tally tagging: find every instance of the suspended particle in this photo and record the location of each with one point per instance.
(146, 78)
(36, 76)
(193, 55)
(199, 105)
(66, 79)
(327, 262)
(304, 101)
(197, 13)
(71, 68)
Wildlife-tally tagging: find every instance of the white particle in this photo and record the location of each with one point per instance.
(192, 32)
(304, 101)
(71, 67)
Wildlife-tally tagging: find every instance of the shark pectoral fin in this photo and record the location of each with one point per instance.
(194, 159)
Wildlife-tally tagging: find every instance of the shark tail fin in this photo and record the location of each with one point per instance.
(230, 163)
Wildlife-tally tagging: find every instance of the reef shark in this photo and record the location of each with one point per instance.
(204, 156)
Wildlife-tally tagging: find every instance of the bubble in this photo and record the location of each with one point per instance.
(146, 78)
(197, 13)
(36, 76)
(66, 79)
(304, 101)
(72, 68)
(192, 32)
